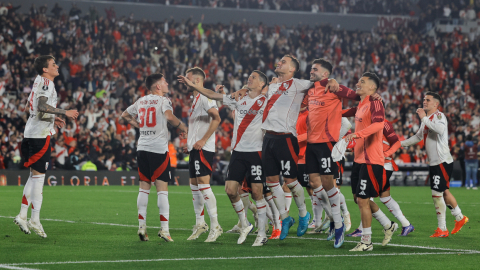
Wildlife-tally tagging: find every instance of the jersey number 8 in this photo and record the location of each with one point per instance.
(148, 115)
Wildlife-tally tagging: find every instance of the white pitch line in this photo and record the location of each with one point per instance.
(245, 258)
(302, 238)
(5, 266)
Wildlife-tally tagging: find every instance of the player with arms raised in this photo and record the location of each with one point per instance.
(434, 132)
(35, 147)
(246, 160)
(154, 112)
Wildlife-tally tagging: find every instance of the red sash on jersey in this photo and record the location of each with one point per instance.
(283, 87)
(425, 132)
(248, 119)
(194, 104)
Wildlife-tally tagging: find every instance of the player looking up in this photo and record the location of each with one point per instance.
(35, 147)
(434, 132)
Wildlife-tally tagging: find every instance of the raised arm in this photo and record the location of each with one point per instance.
(208, 93)
(130, 119)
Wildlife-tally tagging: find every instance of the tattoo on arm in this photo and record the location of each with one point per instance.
(131, 120)
(44, 107)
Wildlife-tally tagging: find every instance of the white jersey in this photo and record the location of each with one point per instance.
(40, 125)
(247, 131)
(199, 122)
(284, 101)
(61, 153)
(434, 132)
(153, 123)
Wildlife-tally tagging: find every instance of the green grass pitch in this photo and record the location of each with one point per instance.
(95, 228)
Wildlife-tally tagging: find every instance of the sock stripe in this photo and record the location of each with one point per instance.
(293, 186)
(204, 188)
(262, 207)
(194, 189)
(145, 192)
(333, 195)
(387, 201)
(437, 196)
(318, 191)
(240, 210)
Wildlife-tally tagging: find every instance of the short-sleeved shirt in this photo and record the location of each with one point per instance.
(369, 150)
(153, 123)
(247, 131)
(39, 124)
(199, 122)
(284, 101)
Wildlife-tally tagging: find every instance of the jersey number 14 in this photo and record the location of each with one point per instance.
(147, 116)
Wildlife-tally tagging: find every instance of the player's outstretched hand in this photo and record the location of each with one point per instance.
(350, 137)
(332, 85)
(274, 80)
(376, 96)
(186, 81)
(421, 113)
(199, 145)
(72, 114)
(220, 89)
(240, 94)
(59, 122)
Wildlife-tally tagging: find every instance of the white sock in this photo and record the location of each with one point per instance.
(210, 202)
(394, 208)
(275, 213)
(198, 204)
(367, 235)
(37, 196)
(278, 198)
(457, 213)
(245, 197)
(360, 227)
(317, 210)
(240, 209)
(334, 197)
(383, 219)
(343, 204)
(313, 207)
(440, 208)
(269, 213)
(298, 193)
(26, 198)
(322, 196)
(288, 200)
(142, 202)
(164, 209)
(262, 216)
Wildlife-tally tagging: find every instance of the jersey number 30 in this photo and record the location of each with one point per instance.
(147, 116)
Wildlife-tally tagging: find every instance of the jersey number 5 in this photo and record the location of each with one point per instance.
(148, 115)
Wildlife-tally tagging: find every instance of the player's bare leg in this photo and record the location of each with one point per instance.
(366, 215)
(164, 209)
(231, 188)
(257, 194)
(394, 208)
(451, 203)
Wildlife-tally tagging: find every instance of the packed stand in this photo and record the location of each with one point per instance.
(103, 60)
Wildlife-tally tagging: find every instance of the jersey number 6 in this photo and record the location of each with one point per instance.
(150, 114)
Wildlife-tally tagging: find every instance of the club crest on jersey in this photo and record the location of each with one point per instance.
(259, 102)
(439, 117)
(45, 87)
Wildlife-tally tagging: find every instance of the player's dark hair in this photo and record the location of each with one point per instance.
(435, 96)
(41, 62)
(325, 64)
(152, 79)
(295, 62)
(263, 77)
(196, 71)
(372, 76)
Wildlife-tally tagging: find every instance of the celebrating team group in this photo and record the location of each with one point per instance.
(288, 127)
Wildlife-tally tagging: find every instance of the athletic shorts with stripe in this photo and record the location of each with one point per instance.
(341, 166)
(440, 176)
(280, 155)
(387, 180)
(303, 177)
(354, 176)
(153, 166)
(318, 157)
(246, 165)
(36, 153)
(371, 182)
(200, 163)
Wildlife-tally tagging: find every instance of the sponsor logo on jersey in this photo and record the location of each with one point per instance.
(244, 103)
(45, 87)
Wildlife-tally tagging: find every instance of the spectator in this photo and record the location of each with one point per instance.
(471, 163)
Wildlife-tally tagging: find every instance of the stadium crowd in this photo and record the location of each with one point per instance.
(103, 60)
